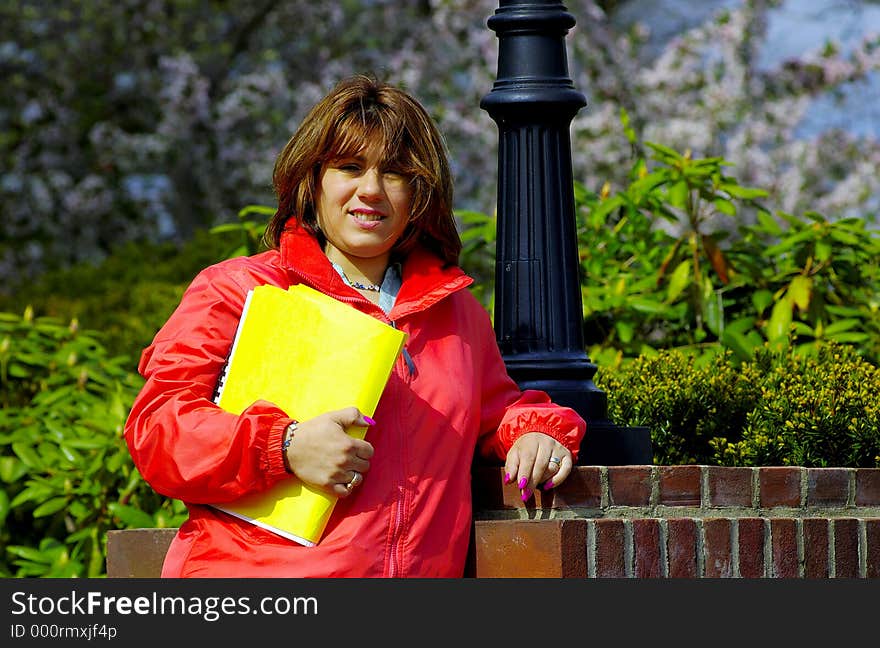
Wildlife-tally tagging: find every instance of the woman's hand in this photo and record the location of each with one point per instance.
(323, 455)
(537, 458)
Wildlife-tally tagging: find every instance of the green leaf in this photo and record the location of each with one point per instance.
(12, 469)
(17, 370)
(26, 453)
(664, 152)
(845, 237)
(4, 506)
(678, 194)
(800, 290)
(848, 338)
(805, 330)
(743, 193)
(738, 343)
(823, 250)
(52, 506)
(33, 493)
(768, 223)
(839, 326)
(761, 299)
(226, 227)
(724, 206)
(843, 311)
(29, 553)
(645, 305)
(78, 510)
(263, 210)
(600, 212)
(780, 320)
(741, 325)
(646, 185)
(133, 518)
(713, 310)
(679, 280)
(87, 444)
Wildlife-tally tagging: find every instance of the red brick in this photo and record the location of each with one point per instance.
(872, 547)
(816, 548)
(137, 553)
(779, 486)
(718, 548)
(846, 548)
(629, 485)
(530, 548)
(751, 547)
(730, 486)
(783, 548)
(868, 487)
(680, 485)
(490, 493)
(610, 548)
(827, 486)
(681, 547)
(582, 489)
(646, 548)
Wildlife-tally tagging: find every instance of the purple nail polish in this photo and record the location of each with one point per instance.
(522, 482)
(369, 420)
(506, 478)
(526, 495)
(548, 485)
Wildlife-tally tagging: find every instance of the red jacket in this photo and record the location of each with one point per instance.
(411, 516)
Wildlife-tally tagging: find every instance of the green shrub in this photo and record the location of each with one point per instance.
(66, 476)
(784, 407)
(813, 411)
(128, 296)
(686, 404)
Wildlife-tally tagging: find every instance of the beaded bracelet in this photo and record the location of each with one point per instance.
(285, 443)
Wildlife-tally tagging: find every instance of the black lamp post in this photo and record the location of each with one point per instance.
(538, 305)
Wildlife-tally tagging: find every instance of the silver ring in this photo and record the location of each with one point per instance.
(555, 460)
(354, 481)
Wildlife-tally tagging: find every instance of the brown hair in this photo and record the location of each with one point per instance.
(361, 110)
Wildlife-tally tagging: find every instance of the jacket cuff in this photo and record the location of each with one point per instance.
(553, 426)
(274, 459)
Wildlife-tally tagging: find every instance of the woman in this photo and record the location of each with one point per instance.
(364, 215)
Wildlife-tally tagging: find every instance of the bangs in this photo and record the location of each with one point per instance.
(358, 130)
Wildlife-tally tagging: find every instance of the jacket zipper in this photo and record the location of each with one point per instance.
(398, 515)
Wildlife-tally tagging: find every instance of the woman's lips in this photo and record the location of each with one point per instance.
(367, 220)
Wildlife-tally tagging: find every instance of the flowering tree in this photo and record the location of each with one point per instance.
(707, 93)
(131, 120)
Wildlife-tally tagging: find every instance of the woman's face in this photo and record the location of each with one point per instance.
(363, 205)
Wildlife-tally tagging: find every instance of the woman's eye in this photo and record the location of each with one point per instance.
(394, 174)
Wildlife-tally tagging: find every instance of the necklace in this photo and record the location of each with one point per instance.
(360, 286)
(370, 287)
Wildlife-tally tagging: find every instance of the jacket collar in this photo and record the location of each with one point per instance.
(425, 279)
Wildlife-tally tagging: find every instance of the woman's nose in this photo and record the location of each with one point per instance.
(371, 183)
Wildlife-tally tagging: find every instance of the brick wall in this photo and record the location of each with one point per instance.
(684, 522)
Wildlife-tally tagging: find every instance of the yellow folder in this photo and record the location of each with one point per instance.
(308, 353)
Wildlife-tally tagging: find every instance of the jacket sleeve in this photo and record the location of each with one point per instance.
(184, 445)
(508, 412)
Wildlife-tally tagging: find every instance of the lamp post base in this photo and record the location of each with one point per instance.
(569, 382)
(608, 444)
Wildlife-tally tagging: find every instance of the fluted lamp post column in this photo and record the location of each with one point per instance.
(538, 305)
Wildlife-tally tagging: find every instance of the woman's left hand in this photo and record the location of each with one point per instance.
(537, 458)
